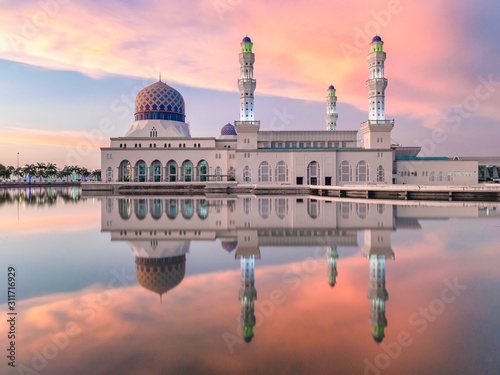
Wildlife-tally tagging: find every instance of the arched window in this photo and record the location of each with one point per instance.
(432, 177)
(231, 174)
(125, 171)
(362, 172)
(141, 208)
(247, 174)
(218, 173)
(124, 208)
(172, 171)
(380, 174)
(156, 171)
(281, 172)
(109, 174)
(362, 210)
(440, 176)
(140, 171)
(187, 208)
(264, 172)
(187, 171)
(313, 208)
(282, 207)
(247, 205)
(345, 171)
(202, 209)
(448, 176)
(171, 208)
(202, 170)
(156, 208)
(313, 173)
(265, 208)
(345, 209)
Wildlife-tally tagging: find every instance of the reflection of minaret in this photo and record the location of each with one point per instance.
(331, 256)
(247, 295)
(377, 248)
(247, 250)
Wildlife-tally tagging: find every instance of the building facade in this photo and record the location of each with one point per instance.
(159, 147)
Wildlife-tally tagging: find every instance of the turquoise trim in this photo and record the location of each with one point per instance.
(422, 158)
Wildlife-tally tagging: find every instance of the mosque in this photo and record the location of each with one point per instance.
(159, 147)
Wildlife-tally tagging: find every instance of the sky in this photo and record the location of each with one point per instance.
(70, 71)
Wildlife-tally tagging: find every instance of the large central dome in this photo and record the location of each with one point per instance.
(159, 101)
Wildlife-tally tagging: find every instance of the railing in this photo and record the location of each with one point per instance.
(254, 123)
(378, 122)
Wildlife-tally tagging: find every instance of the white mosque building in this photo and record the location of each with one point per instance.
(159, 147)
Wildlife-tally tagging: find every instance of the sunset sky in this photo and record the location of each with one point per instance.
(70, 70)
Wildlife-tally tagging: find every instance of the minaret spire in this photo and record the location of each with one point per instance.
(247, 296)
(376, 83)
(246, 83)
(331, 115)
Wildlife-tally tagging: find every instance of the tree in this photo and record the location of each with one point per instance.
(41, 170)
(51, 170)
(30, 170)
(96, 174)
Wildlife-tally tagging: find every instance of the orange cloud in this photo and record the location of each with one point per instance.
(300, 49)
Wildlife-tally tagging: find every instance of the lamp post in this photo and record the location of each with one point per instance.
(18, 175)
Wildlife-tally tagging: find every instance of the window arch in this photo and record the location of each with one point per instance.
(362, 172)
(141, 208)
(172, 171)
(187, 171)
(265, 172)
(281, 172)
(265, 207)
(281, 207)
(231, 174)
(313, 208)
(171, 208)
(140, 171)
(362, 210)
(202, 170)
(125, 171)
(187, 208)
(440, 176)
(156, 171)
(202, 209)
(345, 171)
(109, 174)
(124, 208)
(380, 174)
(432, 177)
(247, 174)
(313, 173)
(218, 173)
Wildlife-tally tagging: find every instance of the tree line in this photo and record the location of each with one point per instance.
(49, 170)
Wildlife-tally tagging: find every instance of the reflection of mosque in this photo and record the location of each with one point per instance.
(160, 230)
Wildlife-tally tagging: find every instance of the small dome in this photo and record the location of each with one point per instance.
(229, 245)
(331, 87)
(378, 340)
(228, 129)
(376, 38)
(248, 339)
(247, 40)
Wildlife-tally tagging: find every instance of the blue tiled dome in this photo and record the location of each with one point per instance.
(228, 130)
(247, 40)
(229, 245)
(160, 97)
(376, 38)
(331, 87)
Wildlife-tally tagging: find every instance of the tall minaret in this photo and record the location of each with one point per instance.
(377, 248)
(247, 296)
(331, 257)
(246, 83)
(331, 115)
(376, 83)
(377, 130)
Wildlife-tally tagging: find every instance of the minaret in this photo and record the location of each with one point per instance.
(377, 130)
(331, 256)
(376, 83)
(246, 83)
(377, 248)
(331, 115)
(247, 296)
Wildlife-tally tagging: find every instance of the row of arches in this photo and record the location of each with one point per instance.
(156, 207)
(345, 172)
(171, 172)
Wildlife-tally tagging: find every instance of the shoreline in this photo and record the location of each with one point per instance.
(480, 192)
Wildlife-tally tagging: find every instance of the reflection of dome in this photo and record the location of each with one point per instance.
(378, 340)
(160, 98)
(229, 245)
(228, 130)
(331, 87)
(159, 275)
(246, 40)
(332, 281)
(376, 38)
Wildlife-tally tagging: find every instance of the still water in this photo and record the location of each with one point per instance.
(250, 285)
